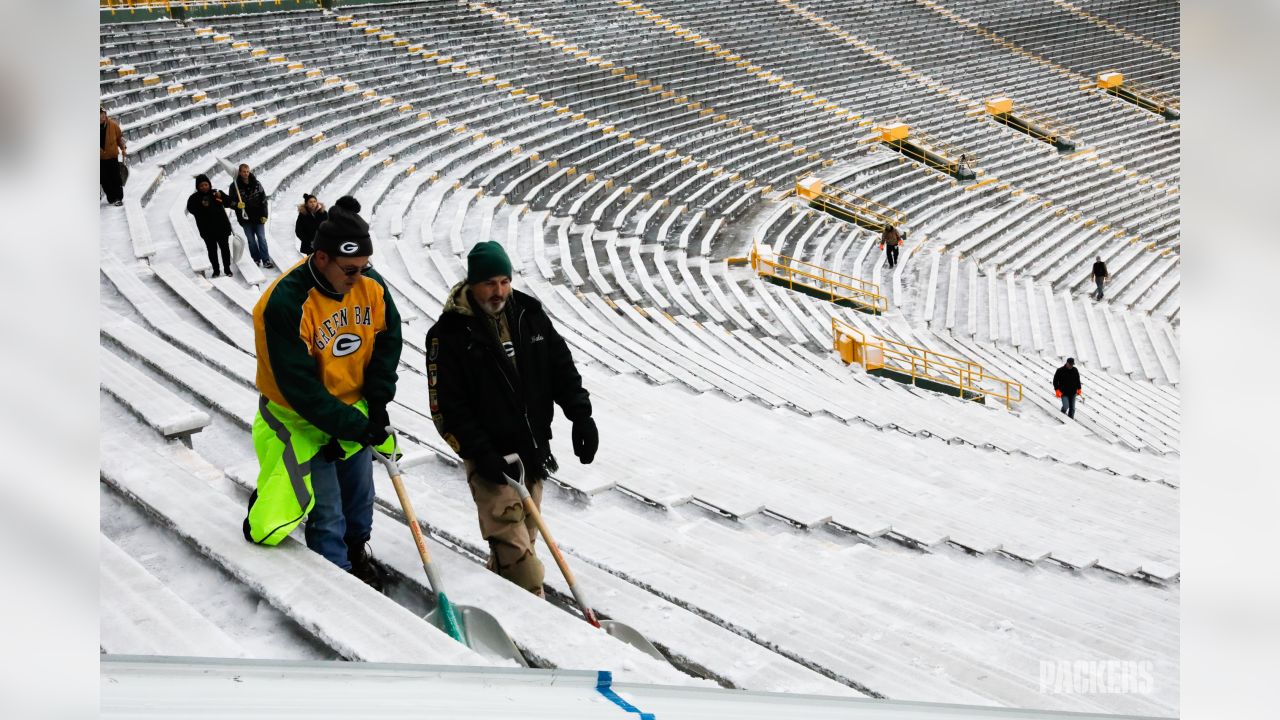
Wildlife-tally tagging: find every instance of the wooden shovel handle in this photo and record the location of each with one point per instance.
(412, 519)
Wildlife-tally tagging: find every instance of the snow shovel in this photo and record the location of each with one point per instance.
(470, 626)
(622, 631)
(237, 242)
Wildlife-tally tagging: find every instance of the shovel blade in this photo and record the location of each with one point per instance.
(483, 633)
(632, 637)
(228, 167)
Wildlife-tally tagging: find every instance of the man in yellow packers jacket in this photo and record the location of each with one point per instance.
(327, 335)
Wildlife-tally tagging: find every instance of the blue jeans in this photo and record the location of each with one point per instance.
(255, 235)
(1097, 295)
(1069, 404)
(343, 513)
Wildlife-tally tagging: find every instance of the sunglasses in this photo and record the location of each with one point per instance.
(349, 271)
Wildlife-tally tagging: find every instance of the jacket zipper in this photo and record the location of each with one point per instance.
(528, 425)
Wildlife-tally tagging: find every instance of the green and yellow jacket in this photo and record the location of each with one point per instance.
(323, 360)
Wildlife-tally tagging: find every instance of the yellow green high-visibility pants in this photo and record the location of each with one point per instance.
(285, 444)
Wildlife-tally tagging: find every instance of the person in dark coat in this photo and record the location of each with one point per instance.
(889, 241)
(310, 214)
(1066, 385)
(250, 201)
(496, 367)
(209, 207)
(1100, 275)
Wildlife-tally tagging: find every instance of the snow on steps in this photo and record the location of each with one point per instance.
(925, 508)
(217, 390)
(800, 608)
(226, 324)
(340, 610)
(691, 639)
(545, 634)
(142, 616)
(168, 414)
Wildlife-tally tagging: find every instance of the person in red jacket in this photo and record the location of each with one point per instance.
(1066, 385)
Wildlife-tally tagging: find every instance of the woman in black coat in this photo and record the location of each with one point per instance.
(310, 214)
(209, 207)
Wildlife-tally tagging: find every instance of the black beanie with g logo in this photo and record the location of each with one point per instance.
(345, 233)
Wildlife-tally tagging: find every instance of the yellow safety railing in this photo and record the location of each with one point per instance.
(1153, 98)
(834, 286)
(856, 203)
(874, 352)
(1053, 129)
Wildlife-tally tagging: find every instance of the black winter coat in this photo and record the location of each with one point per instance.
(210, 215)
(480, 404)
(253, 196)
(1067, 379)
(304, 228)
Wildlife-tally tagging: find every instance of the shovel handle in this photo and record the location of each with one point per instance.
(451, 624)
(414, 528)
(531, 508)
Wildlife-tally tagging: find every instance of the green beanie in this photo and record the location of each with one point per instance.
(486, 260)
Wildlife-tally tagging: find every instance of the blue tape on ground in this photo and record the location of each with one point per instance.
(604, 686)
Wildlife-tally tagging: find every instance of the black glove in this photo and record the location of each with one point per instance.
(586, 440)
(492, 467)
(332, 450)
(376, 432)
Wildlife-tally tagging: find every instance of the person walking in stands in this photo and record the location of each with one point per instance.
(495, 365)
(1066, 385)
(209, 207)
(889, 242)
(111, 146)
(251, 210)
(327, 335)
(1100, 275)
(310, 214)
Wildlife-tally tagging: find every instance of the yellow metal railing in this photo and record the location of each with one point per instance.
(874, 352)
(1052, 129)
(866, 206)
(1154, 97)
(834, 286)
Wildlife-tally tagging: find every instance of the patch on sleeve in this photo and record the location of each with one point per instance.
(435, 350)
(453, 442)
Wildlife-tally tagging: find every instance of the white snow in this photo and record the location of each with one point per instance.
(772, 519)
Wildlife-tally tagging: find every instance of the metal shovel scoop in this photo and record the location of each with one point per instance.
(470, 626)
(622, 631)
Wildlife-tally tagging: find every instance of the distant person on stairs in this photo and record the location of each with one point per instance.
(209, 207)
(250, 202)
(111, 146)
(327, 335)
(495, 365)
(889, 242)
(1100, 275)
(1066, 385)
(310, 214)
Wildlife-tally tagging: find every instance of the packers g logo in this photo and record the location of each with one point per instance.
(348, 247)
(345, 344)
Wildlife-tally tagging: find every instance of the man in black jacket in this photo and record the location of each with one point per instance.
(209, 207)
(250, 201)
(495, 365)
(1066, 385)
(1100, 276)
